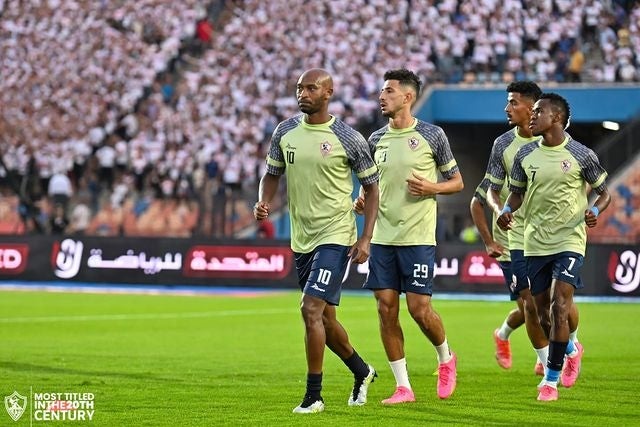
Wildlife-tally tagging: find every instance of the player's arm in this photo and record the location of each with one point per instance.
(600, 204)
(358, 203)
(367, 172)
(496, 173)
(419, 186)
(493, 200)
(512, 204)
(595, 175)
(494, 249)
(518, 186)
(359, 252)
(266, 192)
(270, 180)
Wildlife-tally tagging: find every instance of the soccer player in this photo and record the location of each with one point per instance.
(318, 152)
(520, 100)
(508, 247)
(552, 177)
(409, 153)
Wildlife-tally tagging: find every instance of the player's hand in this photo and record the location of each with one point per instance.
(590, 218)
(495, 249)
(359, 252)
(505, 221)
(261, 210)
(420, 187)
(358, 205)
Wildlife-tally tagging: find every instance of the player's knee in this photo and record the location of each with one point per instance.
(387, 311)
(311, 315)
(420, 313)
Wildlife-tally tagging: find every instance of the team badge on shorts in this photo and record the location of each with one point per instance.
(413, 142)
(325, 148)
(565, 166)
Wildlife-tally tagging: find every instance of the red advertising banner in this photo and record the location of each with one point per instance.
(263, 262)
(13, 258)
(478, 267)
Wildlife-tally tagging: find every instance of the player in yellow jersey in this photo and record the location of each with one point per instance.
(551, 177)
(318, 153)
(508, 246)
(493, 191)
(410, 154)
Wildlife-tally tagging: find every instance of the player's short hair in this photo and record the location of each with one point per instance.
(405, 77)
(525, 88)
(561, 104)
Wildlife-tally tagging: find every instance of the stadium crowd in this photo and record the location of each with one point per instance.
(160, 125)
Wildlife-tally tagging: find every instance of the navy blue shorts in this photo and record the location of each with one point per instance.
(515, 273)
(505, 266)
(520, 279)
(320, 272)
(563, 266)
(403, 268)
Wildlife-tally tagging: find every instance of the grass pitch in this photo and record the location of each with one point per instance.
(222, 360)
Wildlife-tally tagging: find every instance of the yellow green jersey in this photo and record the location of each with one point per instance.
(499, 169)
(318, 161)
(554, 182)
(422, 148)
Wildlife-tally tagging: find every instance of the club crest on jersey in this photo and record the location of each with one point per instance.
(413, 142)
(565, 165)
(325, 148)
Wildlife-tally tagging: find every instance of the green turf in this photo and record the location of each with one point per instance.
(198, 361)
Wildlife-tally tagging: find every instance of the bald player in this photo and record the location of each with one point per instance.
(318, 152)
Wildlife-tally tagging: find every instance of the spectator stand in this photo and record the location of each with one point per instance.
(165, 101)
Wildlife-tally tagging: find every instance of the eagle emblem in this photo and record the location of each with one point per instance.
(413, 142)
(565, 166)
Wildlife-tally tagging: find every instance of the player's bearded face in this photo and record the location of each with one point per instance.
(390, 98)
